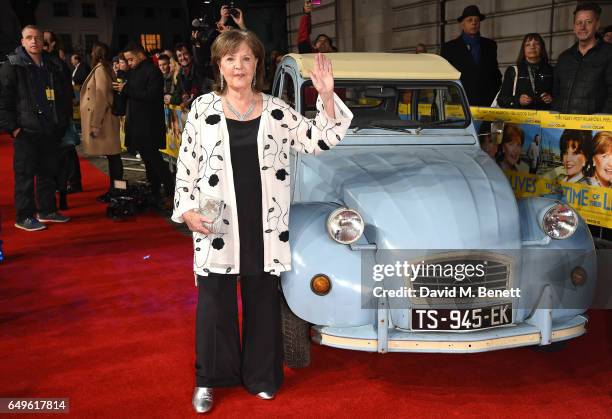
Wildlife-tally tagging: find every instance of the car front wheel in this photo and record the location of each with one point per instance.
(296, 338)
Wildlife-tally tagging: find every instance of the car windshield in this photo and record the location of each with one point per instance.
(396, 107)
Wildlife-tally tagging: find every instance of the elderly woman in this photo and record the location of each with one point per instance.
(509, 154)
(531, 88)
(600, 164)
(234, 156)
(100, 128)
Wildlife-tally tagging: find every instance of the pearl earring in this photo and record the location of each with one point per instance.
(222, 82)
(254, 78)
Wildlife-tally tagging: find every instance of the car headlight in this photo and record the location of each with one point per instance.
(345, 225)
(560, 221)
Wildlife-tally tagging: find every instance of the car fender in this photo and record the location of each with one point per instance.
(314, 252)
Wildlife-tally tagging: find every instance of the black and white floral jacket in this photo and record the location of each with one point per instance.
(204, 170)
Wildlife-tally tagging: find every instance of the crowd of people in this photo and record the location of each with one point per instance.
(136, 85)
(133, 85)
(580, 83)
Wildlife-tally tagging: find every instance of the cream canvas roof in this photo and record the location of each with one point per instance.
(367, 65)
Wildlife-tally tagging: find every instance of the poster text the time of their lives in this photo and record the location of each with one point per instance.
(568, 157)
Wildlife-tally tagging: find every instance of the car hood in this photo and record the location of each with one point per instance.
(418, 197)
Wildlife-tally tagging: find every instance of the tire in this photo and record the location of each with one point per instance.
(296, 338)
(553, 347)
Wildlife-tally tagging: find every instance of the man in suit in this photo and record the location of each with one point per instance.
(81, 70)
(475, 57)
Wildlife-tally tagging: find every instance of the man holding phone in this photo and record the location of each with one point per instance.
(322, 43)
(145, 126)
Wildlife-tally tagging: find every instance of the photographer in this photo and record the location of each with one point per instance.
(322, 43)
(202, 38)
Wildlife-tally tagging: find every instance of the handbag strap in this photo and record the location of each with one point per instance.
(515, 79)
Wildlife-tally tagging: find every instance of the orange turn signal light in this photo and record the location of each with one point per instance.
(320, 284)
(579, 276)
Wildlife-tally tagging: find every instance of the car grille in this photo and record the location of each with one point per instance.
(497, 274)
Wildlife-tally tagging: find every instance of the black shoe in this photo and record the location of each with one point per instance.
(54, 217)
(104, 198)
(30, 224)
(74, 188)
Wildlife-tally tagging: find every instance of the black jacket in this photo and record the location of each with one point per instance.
(583, 84)
(80, 74)
(194, 84)
(480, 81)
(23, 101)
(145, 127)
(542, 78)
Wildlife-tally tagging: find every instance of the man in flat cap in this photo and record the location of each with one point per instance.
(475, 57)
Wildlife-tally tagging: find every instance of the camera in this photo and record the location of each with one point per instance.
(202, 28)
(232, 10)
(131, 200)
(200, 24)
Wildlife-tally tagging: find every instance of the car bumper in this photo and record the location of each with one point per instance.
(364, 338)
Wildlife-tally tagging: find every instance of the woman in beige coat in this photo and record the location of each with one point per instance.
(100, 128)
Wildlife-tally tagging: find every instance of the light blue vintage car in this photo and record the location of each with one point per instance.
(409, 186)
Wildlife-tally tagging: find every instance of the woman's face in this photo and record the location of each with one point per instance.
(603, 167)
(512, 150)
(123, 65)
(533, 50)
(573, 159)
(238, 68)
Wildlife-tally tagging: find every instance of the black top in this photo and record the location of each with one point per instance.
(583, 83)
(481, 80)
(530, 76)
(247, 185)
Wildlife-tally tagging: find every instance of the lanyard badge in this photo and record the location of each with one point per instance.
(50, 94)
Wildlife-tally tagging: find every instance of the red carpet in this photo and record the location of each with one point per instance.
(103, 313)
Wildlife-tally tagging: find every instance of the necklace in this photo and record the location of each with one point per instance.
(240, 116)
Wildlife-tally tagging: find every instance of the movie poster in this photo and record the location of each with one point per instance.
(567, 157)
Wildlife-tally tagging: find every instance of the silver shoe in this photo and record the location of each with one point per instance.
(266, 395)
(202, 399)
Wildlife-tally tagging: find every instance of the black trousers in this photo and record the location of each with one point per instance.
(36, 157)
(221, 361)
(69, 170)
(115, 169)
(157, 171)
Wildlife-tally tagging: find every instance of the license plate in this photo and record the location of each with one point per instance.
(461, 318)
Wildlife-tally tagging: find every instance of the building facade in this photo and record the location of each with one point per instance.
(399, 25)
(79, 23)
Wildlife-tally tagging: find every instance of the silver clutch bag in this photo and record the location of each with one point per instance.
(213, 210)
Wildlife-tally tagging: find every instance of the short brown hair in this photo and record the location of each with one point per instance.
(230, 41)
(588, 6)
(33, 27)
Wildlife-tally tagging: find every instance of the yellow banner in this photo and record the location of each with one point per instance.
(593, 203)
(517, 116)
(584, 122)
(526, 184)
